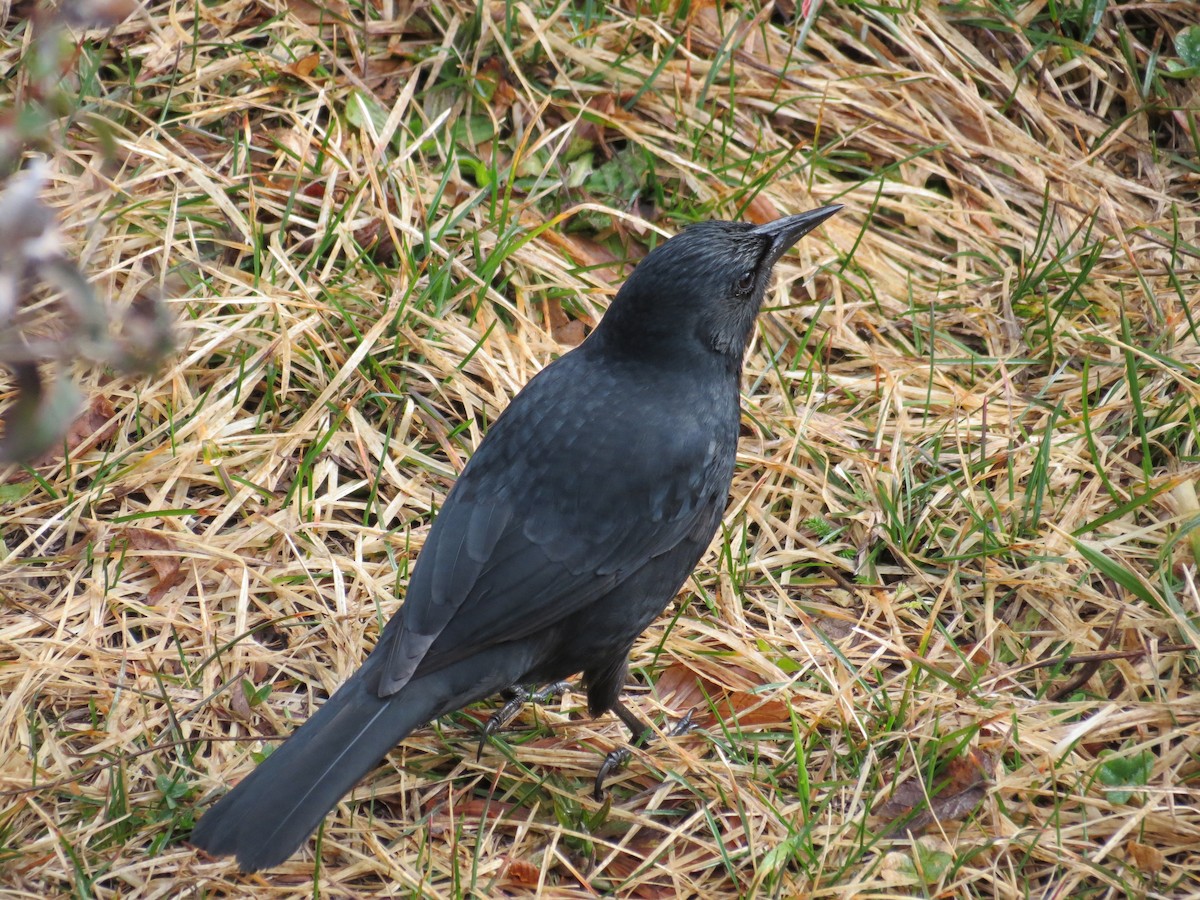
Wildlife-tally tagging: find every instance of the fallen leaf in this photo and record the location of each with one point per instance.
(959, 788)
(631, 859)
(1149, 860)
(595, 134)
(683, 689)
(162, 555)
(304, 66)
(679, 688)
(761, 210)
(239, 703)
(704, 16)
(752, 709)
(565, 329)
(97, 13)
(326, 14)
(589, 254)
(466, 812)
(522, 872)
(491, 82)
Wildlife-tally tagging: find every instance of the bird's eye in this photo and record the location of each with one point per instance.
(745, 281)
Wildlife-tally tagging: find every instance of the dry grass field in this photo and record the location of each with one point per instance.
(948, 640)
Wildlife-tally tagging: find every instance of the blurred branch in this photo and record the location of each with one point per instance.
(34, 257)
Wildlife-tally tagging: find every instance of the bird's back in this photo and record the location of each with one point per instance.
(597, 470)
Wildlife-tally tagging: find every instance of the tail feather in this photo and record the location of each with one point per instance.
(266, 818)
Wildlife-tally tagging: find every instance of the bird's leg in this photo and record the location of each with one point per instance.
(640, 735)
(517, 697)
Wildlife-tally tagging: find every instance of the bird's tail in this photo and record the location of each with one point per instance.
(266, 818)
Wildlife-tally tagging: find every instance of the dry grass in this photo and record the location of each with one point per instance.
(959, 558)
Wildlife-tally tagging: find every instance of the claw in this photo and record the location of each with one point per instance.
(505, 714)
(501, 717)
(550, 691)
(640, 737)
(612, 763)
(685, 725)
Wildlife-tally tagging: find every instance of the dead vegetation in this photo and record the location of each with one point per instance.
(947, 642)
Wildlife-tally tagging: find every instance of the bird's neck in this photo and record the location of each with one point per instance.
(656, 342)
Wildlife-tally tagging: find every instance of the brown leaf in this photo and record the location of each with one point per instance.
(905, 797)
(1149, 860)
(956, 807)
(960, 788)
(652, 883)
(761, 210)
(591, 255)
(679, 687)
(163, 556)
(752, 709)
(565, 329)
(704, 16)
(310, 13)
(376, 239)
(304, 66)
(36, 420)
(97, 13)
(522, 872)
(88, 430)
(238, 702)
(682, 689)
(94, 425)
(595, 133)
(976, 653)
(469, 811)
(491, 81)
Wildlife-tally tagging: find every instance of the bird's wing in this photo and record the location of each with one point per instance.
(541, 523)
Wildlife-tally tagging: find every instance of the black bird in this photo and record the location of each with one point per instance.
(574, 524)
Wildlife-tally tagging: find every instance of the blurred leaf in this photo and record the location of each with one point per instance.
(147, 335)
(255, 696)
(760, 210)
(38, 419)
(592, 130)
(620, 183)
(932, 862)
(362, 109)
(472, 131)
(1125, 772)
(11, 493)
(32, 246)
(480, 173)
(565, 329)
(91, 327)
(92, 426)
(684, 689)
(622, 177)
(1187, 45)
(319, 13)
(27, 234)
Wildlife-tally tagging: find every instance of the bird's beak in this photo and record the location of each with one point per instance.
(786, 231)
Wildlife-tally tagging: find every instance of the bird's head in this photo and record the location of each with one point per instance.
(703, 287)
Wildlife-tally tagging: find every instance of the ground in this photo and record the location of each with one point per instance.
(946, 641)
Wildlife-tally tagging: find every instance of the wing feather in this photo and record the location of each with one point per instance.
(528, 535)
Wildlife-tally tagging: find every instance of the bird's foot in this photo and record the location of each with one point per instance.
(612, 763)
(517, 698)
(615, 760)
